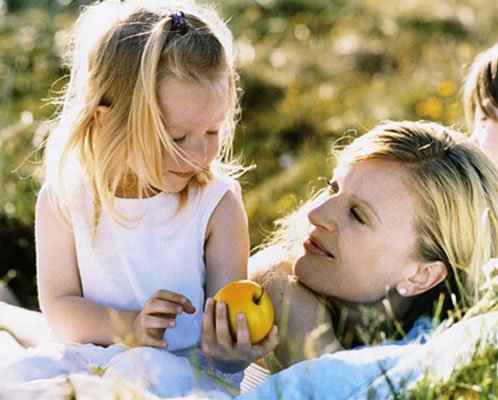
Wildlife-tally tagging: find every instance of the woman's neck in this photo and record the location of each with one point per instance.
(368, 323)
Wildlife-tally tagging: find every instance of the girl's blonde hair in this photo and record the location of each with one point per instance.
(455, 187)
(121, 52)
(481, 85)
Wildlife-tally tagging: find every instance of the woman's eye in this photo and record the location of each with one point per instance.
(355, 215)
(333, 187)
(213, 133)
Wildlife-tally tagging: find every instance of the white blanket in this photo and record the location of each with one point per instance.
(89, 371)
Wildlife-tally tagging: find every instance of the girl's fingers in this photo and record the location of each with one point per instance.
(151, 340)
(158, 322)
(160, 306)
(243, 336)
(208, 331)
(156, 333)
(270, 342)
(176, 298)
(223, 335)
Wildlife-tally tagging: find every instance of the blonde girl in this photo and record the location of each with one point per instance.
(481, 101)
(139, 219)
(407, 224)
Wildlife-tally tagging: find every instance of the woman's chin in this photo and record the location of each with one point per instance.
(301, 274)
(297, 267)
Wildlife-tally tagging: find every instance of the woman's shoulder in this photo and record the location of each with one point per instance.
(271, 270)
(270, 263)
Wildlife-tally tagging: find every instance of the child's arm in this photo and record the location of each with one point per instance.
(227, 253)
(70, 315)
(227, 244)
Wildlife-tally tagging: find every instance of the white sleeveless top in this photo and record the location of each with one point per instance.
(124, 266)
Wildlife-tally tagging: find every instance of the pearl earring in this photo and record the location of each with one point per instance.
(402, 291)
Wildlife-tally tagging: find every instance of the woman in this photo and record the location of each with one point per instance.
(408, 221)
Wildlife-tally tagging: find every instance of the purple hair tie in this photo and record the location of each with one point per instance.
(179, 24)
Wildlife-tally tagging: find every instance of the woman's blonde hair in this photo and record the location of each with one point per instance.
(455, 187)
(481, 85)
(121, 52)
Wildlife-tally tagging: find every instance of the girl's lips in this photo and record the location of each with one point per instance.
(183, 174)
(312, 246)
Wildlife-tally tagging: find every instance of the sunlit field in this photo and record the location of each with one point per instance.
(313, 74)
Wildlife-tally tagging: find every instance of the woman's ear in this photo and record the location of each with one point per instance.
(425, 278)
(99, 115)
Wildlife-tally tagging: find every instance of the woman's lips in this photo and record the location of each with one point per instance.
(312, 246)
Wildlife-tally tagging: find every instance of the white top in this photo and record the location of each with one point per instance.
(164, 249)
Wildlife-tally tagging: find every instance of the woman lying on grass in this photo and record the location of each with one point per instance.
(403, 231)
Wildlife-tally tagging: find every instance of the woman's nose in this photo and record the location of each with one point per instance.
(323, 215)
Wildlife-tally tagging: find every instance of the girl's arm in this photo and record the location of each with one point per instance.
(73, 317)
(227, 253)
(59, 288)
(305, 326)
(227, 244)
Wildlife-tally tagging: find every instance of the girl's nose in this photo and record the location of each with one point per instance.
(199, 153)
(323, 215)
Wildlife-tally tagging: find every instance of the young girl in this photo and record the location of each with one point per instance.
(481, 101)
(139, 220)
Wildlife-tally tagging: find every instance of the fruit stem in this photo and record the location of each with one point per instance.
(257, 300)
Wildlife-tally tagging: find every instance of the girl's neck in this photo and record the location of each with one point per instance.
(130, 189)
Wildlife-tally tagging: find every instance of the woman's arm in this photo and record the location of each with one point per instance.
(304, 323)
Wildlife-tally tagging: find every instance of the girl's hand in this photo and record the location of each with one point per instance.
(158, 314)
(218, 345)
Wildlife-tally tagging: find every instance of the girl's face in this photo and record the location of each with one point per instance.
(362, 234)
(485, 133)
(193, 115)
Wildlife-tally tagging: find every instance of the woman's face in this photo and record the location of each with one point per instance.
(193, 115)
(362, 234)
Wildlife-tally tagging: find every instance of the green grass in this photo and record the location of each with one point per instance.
(476, 379)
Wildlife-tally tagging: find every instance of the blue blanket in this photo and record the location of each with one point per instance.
(380, 371)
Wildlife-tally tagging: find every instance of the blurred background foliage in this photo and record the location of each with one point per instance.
(312, 71)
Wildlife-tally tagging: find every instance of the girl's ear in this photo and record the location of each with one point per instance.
(425, 278)
(99, 115)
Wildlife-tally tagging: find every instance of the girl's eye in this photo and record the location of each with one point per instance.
(333, 187)
(213, 133)
(180, 140)
(356, 216)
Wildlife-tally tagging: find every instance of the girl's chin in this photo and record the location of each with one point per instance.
(175, 187)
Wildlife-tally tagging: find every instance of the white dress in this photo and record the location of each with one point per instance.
(121, 267)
